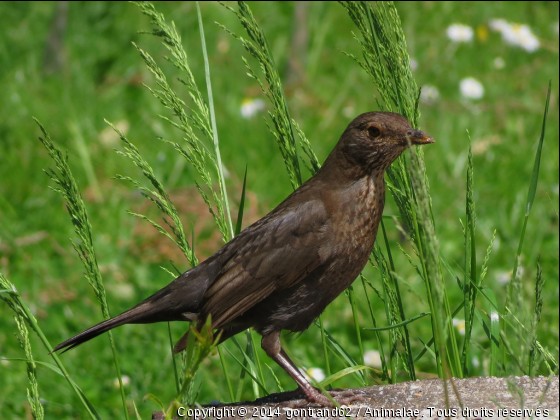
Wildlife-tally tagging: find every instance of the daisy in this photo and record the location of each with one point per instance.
(250, 107)
(460, 33)
(471, 88)
(429, 94)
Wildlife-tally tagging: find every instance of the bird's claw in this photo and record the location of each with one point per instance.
(340, 396)
(345, 396)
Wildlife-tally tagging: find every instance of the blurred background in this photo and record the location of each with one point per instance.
(484, 67)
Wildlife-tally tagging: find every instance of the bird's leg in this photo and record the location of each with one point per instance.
(271, 345)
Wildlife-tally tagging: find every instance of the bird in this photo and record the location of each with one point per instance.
(281, 272)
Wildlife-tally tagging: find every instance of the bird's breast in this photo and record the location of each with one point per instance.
(356, 211)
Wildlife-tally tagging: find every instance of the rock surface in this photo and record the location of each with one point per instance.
(478, 398)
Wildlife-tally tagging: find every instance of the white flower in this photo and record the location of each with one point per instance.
(527, 40)
(3, 361)
(429, 94)
(250, 107)
(125, 381)
(372, 358)
(475, 362)
(499, 63)
(314, 373)
(413, 64)
(460, 325)
(498, 25)
(516, 34)
(555, 28)
(471, 88)
(460, 33)
(521, 35)
(503, 277)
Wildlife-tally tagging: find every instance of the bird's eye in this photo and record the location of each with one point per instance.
(373, 131)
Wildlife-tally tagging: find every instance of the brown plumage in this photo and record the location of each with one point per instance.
(281, 272)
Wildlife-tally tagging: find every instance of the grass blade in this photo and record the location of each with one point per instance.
(226, 373)
(469, 292)
(248, 367)
(198, 117)
(401, 324)
(342, 373)
(533, 185)
(250, 352)
(33, 391)
(256, 354)
(536, 319)
(496, 359)
(377, 334)
(283, 131)
(431, 342)
(177, 383)
(68, 188)
(215, 142)
(324, 342)
(386, 60)
(239, 223)
(537, 163)
(17, 305)
(406, 352)
(200, 343)
(514, 286)
(353, 305)
(345, 356)
(278, 384)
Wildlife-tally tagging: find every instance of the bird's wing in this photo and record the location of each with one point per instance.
(275, 253)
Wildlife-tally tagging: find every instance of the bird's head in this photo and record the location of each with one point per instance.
(374, 140)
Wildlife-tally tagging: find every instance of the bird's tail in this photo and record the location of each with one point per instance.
(132, 316)
(178, 301)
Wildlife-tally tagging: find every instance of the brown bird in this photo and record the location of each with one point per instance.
(281, 272)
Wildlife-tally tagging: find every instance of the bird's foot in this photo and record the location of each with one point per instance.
(314, 396)
(346, 396)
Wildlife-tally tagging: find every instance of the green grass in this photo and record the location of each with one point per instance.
(102, 79)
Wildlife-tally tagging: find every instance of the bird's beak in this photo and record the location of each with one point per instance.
(419, 137)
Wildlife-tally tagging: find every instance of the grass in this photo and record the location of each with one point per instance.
(101, 79)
